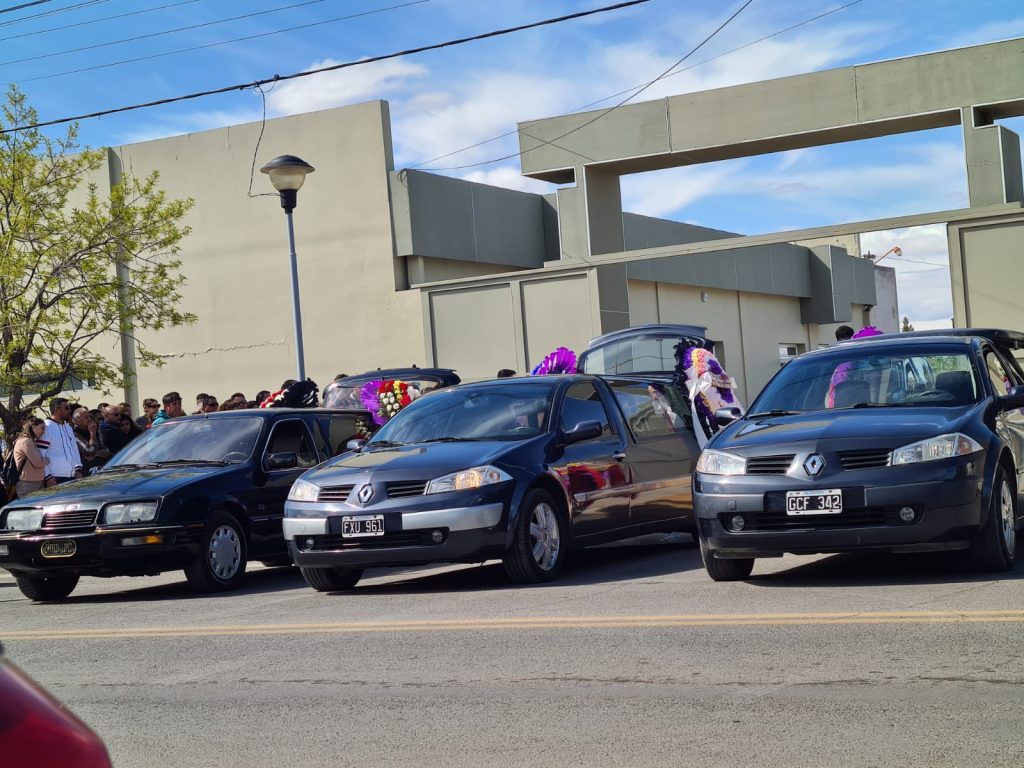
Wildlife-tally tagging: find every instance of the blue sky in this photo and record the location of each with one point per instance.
(445, 100)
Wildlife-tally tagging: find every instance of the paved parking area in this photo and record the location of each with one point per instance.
(634, 658)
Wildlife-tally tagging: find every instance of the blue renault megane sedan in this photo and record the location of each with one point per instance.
(904, 443)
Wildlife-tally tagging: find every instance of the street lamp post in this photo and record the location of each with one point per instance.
(287, 174)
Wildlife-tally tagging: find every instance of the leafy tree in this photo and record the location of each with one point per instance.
(76, 267)
(906, 327)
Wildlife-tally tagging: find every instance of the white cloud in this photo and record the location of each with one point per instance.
(922, 272)
(342, 86)
(991, 32)
(664, 193)
(508, 176)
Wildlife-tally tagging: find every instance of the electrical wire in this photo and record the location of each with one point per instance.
(633, 88)
(161, 33)
(331, 68)
(23, 6)
(222, 42)
(54, 12)
(97, 21)
(605, 113)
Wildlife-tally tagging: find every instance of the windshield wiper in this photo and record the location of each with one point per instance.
(451, 440)
(881, 405)
(773, 412)
(208, 462)
(128, 466)
(382, 444)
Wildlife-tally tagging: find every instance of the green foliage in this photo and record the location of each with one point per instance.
(78, 266)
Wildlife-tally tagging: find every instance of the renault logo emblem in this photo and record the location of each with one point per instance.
(814, 464)
(365, 494)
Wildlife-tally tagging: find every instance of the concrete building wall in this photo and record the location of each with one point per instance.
(986, 261)
(236, 259)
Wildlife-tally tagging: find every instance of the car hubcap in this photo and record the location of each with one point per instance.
(545, 536)
(1006, 513)
(225, 552)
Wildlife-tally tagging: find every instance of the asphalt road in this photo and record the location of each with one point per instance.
(634, 658)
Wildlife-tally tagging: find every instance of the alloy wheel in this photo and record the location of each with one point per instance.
(225, 552)
(1006, 518)
(545, 536)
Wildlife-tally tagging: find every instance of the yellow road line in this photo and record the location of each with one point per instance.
(533, 623)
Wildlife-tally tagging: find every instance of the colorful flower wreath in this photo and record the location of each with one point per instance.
(383, 399)
(707, 384)
(562, 360)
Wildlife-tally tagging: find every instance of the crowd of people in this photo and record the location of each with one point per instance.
(74, 439)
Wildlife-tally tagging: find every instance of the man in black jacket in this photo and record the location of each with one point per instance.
(111, 436)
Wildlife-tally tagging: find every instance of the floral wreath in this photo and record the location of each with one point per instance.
(700, 365)
(562, 360)
(383, 399)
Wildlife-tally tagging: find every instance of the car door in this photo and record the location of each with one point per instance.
(1009, 424)
(287, 436)
(595, 470)
(663, 450)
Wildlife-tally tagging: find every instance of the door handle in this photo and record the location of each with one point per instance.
(619, 455)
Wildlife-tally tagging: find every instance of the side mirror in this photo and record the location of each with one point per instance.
(356, 444)
(282, 461)
(1013, 399)
(726, 416)
(585, 430)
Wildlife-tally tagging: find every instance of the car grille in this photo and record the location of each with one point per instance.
(769, 465)
(867, 459)
(334, 493)
(387, 541)
(404, 490)
(78, 518)
(780, 521)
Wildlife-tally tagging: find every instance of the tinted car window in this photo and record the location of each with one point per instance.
(492, 412)
(292, 437)
(346, 396)
(1001, 381)
(583, 403)
(195, 439)
(652, 409)
(871, 375)
(340, 429)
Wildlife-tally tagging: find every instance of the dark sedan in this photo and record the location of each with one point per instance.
(903, 443)
(203, 493)
(518, 469)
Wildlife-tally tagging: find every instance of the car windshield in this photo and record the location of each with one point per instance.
(341, 395)
(495, 412)
(863, 377)
(195, 440)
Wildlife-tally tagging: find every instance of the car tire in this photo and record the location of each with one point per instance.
(332, 579)
(220, 565)
(995, 548)
(539, 540)
(724, 569)
(44, 588)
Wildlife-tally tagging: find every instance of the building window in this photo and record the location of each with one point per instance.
(788, 351)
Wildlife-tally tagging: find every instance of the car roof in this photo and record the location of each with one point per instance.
(667, 330)
(264, 413)
(397, 373)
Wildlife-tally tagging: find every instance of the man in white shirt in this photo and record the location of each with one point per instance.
(61, 445)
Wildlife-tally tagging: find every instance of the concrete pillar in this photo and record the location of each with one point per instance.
(613, 296)
(993, 160)
(603, 196)
(572, 224)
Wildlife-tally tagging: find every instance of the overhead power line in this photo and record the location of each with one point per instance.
(99, 20)
(72, 7)
(331, 68)
(605, 113)
(23, 6)
(702, 62)
(161, 33)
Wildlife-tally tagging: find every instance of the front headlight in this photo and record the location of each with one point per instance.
(303, 491)
(134, 512)
(467, 479)
(23, 520)
(720, 463)
(942, 447)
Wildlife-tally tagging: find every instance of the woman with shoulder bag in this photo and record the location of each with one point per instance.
(30, 462)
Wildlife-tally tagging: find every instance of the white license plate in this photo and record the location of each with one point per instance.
(362, 525)
(829, 502)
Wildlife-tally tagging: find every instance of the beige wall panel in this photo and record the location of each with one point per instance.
(236, 260)
(643, 302)
(993, 260)
(768, 321)
(474, 330)
(557, 313)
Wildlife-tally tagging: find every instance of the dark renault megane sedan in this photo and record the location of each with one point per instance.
(906, 443)
(517, 469)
